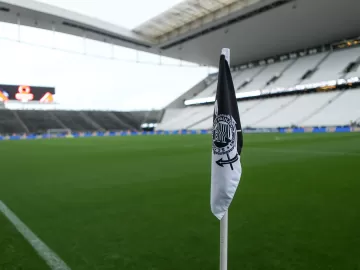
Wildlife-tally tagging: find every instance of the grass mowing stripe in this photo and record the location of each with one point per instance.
(49, 256)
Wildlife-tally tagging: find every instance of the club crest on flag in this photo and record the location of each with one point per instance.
(224, 138)
(224, 134)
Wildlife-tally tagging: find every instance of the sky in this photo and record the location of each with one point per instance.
(83, 72)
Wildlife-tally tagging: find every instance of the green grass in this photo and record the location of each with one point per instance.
(143, 202)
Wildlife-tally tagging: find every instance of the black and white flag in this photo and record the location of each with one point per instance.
(227, 143)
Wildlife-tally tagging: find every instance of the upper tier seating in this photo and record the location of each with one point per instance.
(293, 75)
(244, 77)
(265, 75)
(331, 108)
(334, 65)
(325, 66)
(208, 91)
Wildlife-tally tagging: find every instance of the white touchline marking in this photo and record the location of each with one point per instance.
(49, 256)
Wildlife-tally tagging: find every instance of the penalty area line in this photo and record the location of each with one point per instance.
(49, 256)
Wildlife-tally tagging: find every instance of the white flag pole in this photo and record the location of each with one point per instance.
(224, 220)
(224, 241)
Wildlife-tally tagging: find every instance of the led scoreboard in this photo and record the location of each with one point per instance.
(25, 93)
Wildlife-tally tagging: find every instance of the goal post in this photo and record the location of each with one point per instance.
(55, 132)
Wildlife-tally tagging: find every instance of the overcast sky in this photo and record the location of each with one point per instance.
(86, 82)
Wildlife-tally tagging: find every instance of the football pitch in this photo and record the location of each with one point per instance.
(143, 203)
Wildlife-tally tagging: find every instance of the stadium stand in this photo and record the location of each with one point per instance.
(169, 115)
(334, 65)
(313, 68)
(75, 121)
(39, 121)
(310, 109)
(293, 115)
(245, 77)
(332, 108)
(183, 118)
(301, 67)
(343, 109)
(315, 109)
(208, 91)
(133, 120)
(105, 120)
(266, 109)
(9, 123)
(265, 76)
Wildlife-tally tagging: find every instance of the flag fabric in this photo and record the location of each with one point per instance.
(227, 142)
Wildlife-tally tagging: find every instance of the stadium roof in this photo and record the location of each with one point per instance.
(188, 15)
(196, 30)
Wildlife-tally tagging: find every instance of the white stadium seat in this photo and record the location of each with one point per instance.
(265, 109)
(303, 106)
(245, 75)
(209, 91)
(334, 65)
(340, 111)
(266, 74)
(292, 76)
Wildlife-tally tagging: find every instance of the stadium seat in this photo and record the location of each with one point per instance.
(104, 119)
(295, 113)
(9, 123)
(267, 108)
(38, 121)
(266, 74)
(182, 119)
(292, 76)
(326, 66)
(340, 111)
(333, 66)
(208, 91)
(244, 77)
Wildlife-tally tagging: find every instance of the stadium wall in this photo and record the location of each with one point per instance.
(176, 132)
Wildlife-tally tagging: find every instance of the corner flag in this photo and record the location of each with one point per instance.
(227, 141)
